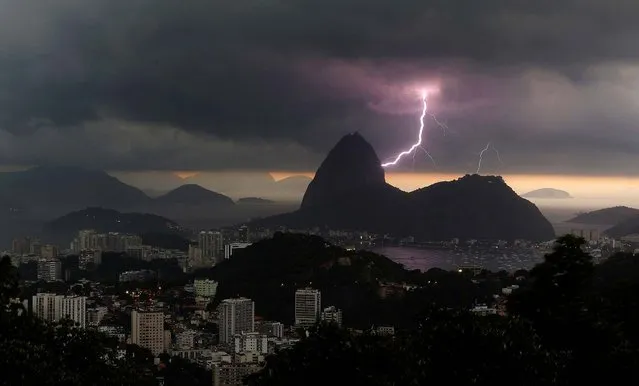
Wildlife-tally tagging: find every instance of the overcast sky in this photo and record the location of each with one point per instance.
(272, 85)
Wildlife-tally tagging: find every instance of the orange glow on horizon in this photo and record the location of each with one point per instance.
(577, 186)
(185, 175)
(282, 175)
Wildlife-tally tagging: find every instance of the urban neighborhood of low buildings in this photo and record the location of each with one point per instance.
(238, 344)
(243, 342)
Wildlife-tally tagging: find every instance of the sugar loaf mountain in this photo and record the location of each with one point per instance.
(349, 191)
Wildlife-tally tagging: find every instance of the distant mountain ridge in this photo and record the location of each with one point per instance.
(64, 228)
(32, 197)
(192, 194)
(548, 193)
(57, 190)
(349, 191)
(606, 216)
(629, 226)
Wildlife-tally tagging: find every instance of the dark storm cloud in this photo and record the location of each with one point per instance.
(232, 76)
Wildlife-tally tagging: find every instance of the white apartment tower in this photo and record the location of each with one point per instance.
(47, 306)
(147, 330)
(75, 308)
(236, 316)
(308, 305)
(54, 308)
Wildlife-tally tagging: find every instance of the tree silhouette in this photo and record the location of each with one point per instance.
(447, 348)
(576, 312)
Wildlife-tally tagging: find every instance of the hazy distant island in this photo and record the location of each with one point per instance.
(547, 193)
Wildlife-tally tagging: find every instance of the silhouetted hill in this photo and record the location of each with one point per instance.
(241, 184)
(64, 228)
(349, 192)
(380, 208)
(547, 193)
(607, 216)
(629, 226)
(269, 272)
(52, 191)
(350, 166)
(192, 195)
(477, 206)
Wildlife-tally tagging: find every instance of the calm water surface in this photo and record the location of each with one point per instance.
(494, 260)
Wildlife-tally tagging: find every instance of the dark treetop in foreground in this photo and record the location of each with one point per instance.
(572, 324)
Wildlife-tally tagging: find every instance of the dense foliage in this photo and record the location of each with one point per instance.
(572, 323)
(447, 348)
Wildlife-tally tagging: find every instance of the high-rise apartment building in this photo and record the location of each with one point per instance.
(332, 315)
(85, 240)
(243, 234)
(47, 306)
(89, 240)
(195, 256)
(49, 251)
(251, 342)
(272, 329)
(235, 317)
(212, 245)
(205, 288)
(35, 248)
(75, 308)
(49, 269)
(147, 330)
(308, 303)
(54, 308)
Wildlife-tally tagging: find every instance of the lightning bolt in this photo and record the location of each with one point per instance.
(442, 125)
(498, 156)
(481, 155)
(418, 145)
(428, 155)
(425, 152)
